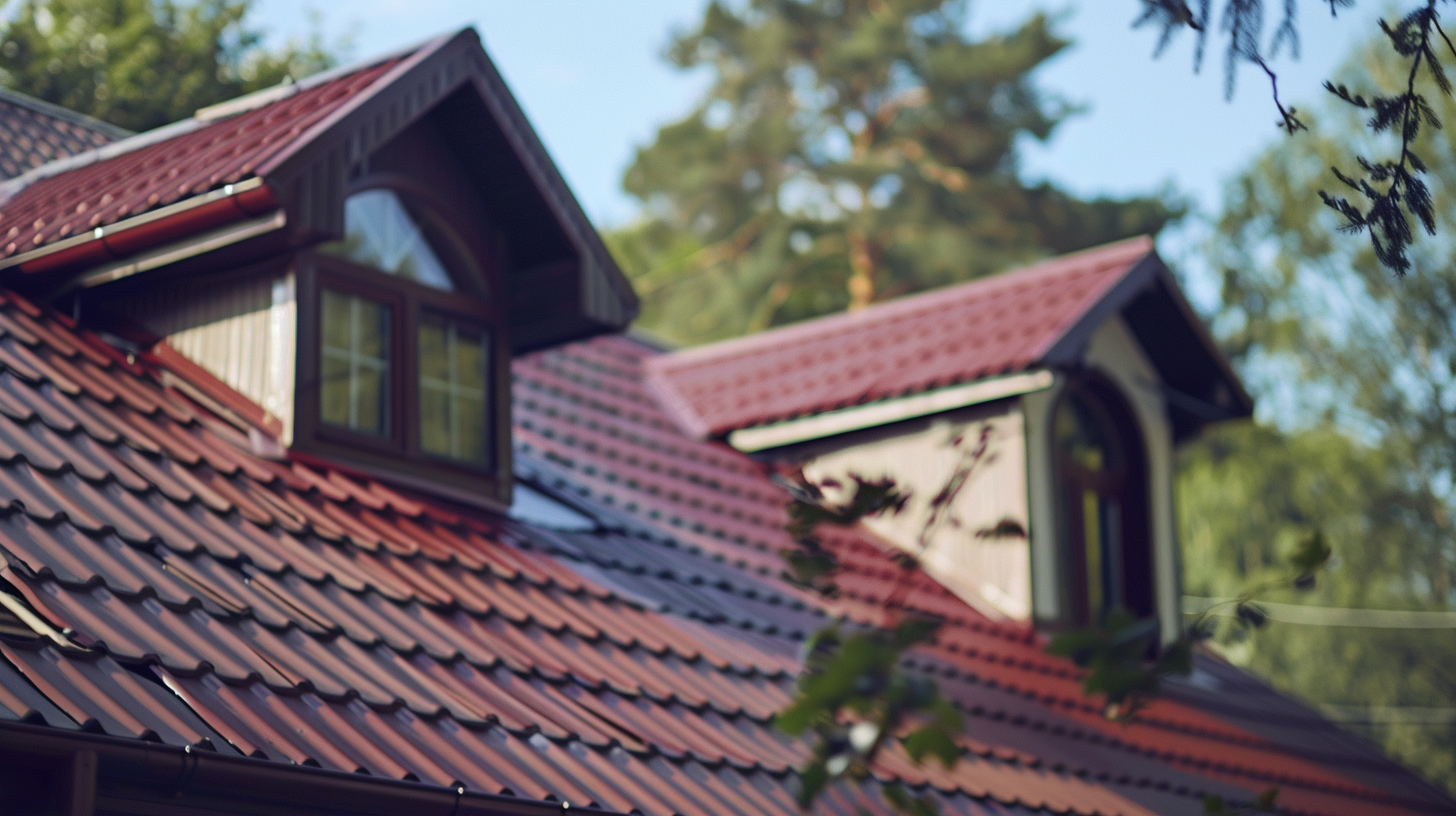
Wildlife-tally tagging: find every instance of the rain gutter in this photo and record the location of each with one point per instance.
(114, 774)
(247, 199)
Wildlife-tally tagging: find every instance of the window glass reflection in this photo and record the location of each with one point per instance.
(453, 370)
(354, 387)
(379, 233)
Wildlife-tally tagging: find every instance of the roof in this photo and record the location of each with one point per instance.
(34, 132)
(295, 149)
(1018, 320)
(153, 170)
(193, 593)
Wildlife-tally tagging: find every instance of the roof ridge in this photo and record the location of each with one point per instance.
(203, 117)
(61, 112)
(887, 310)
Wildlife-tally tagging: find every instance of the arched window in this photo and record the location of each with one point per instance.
(409, 353)
(1102, 503)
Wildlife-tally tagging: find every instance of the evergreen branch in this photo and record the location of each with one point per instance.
(1405, 193)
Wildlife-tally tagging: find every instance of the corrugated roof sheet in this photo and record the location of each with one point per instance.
(33, 133)
(993, 325)
(301, 614)
(203, 155)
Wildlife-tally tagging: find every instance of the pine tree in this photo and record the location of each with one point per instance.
(849, 151)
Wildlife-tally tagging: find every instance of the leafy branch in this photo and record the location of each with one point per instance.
(1116, 650)
(1389, 193)
(854, 696)
(1396, 187)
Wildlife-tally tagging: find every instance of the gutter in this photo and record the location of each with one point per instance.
(250, 198)
(106, 773)
(859, 417)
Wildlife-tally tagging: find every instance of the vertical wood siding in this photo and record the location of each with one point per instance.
(241, 331)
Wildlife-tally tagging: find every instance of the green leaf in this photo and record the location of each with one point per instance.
(1251, 614)
(934, 741)
(1312, 554)
(812, 779)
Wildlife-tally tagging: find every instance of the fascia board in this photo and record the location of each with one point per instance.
(885, 412)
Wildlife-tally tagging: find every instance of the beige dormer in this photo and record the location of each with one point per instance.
(1032, 417)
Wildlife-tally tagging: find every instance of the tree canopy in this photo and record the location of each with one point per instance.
(1358, 370)
(845, 152)
(140, 64)
(1390, 189)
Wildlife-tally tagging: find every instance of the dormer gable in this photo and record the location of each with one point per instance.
(360, 254)
(1032, 417)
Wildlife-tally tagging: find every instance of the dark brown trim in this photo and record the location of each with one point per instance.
(135, 776)
(1130, 489)
(401, 453)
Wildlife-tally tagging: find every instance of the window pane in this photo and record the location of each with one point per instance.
(1082, 437)
(379, 232)
(453, 386)
(354, 363)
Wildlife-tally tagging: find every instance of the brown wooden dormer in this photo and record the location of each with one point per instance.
(366, 282)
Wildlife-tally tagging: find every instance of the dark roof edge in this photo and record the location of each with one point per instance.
(199, 777)
(203, 117)
(74, 117)
(1147, 273)
(498, 95)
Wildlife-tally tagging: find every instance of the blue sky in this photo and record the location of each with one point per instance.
(590, 76)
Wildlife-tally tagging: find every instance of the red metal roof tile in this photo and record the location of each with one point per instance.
(33, 133)
(340, 623)
(994, 325)
(205, 156)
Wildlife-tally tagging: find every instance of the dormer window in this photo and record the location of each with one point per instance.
(380, 234)
(404, 370)
(1102, 487)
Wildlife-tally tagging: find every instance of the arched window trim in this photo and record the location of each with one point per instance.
(400, 452)
(1133, 587)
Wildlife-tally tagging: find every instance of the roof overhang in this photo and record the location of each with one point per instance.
(567, 287)
(1197, 381)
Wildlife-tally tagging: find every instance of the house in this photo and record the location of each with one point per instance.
(334, 484)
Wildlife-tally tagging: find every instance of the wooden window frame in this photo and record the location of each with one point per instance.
(1131, 491)
(399, 455)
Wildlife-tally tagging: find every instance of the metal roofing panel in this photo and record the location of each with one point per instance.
(989, 326)
(347, 626)
(33, 132)
(164, 172)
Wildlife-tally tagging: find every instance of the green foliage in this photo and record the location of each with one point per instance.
(1248, 495)
(853, 693)
(140, 64)
(1390, 193)
(1360, 369)
(1125, 663)
(848, 151)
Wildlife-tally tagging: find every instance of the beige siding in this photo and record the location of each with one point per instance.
(242, 331)
(992, 573)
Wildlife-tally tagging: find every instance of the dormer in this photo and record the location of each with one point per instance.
(347, 264)
(1032, 417)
